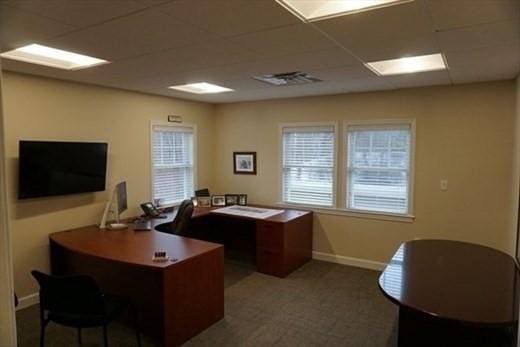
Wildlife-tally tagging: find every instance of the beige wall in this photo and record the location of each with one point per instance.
(45, 109)
(464, 134)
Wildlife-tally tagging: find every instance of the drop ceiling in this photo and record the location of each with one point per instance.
(153, 44)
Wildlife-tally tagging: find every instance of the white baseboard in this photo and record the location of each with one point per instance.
(27, 301)
(340, 259)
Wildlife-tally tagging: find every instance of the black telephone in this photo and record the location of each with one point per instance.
(150, 210)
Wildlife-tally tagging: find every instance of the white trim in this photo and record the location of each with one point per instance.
(411, 182)
(357, 262)
(335, 127)
(351, 213)
(191, 126)
(28, 301)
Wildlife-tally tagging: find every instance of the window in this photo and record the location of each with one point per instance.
(308, 165)
(172, 163)
(378, 167)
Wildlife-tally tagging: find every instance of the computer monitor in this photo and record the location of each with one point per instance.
(116, 206)
(120, 199)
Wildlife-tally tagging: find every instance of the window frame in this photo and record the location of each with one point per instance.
(411, 181)
(281, 126)
(193, 128)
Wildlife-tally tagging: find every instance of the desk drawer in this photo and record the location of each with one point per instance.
(269, 235)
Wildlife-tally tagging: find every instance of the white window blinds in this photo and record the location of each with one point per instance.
(308, 165)
(378, 168)
(172, 163)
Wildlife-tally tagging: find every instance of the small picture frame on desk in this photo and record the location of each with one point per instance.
(242, 199)
(195, 201)
(218, 200)
(204, 201)
(231, 199)
(244, 163)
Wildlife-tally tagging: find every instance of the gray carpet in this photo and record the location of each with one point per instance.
(321, 304)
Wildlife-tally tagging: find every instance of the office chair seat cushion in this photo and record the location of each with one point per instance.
(115, 305)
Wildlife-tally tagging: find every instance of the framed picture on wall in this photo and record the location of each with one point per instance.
(244, 163)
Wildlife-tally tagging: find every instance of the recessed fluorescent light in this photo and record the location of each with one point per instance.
(43, 55)
(201, 88)
(399, 66)
(313, 10)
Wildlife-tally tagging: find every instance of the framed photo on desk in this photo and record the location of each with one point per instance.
(244, 163)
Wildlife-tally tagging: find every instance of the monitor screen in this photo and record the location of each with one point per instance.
(122, 203)
(48, 168)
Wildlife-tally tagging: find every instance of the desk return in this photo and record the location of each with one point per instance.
(179, 298)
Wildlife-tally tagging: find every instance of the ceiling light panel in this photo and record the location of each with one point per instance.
(201, 88)
(407, 65)
(314, 10)
(48, 56)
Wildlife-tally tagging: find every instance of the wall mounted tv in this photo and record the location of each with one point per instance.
(49, 168)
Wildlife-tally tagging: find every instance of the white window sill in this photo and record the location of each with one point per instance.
(352, 213)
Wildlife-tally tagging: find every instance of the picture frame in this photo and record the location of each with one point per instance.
(242, 199)
(218, 200)
(244, 163)
(204, 201)
(195, 201)
(231, 199)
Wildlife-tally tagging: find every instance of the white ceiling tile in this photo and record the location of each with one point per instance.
(429, 78)
(343, 73)
(392, 48)
(392, 22)
(460, 13)
(485, 64)
(144, 32)
(78, 13)
(292, 39)
(19, 28)
(479, 35)
(216, 53)
(230, 17)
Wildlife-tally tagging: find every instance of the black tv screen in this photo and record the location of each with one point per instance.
(48, 168)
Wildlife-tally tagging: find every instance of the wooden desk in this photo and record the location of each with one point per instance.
(283, 241)
(453, 294)
(176, 300)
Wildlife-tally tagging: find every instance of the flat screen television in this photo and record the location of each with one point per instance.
(49, 168)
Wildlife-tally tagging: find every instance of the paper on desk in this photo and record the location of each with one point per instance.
(247, 211)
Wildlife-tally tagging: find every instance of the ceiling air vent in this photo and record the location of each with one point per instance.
(287, 78)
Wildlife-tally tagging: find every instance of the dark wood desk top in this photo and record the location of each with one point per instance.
(137, 247)
(454, 280)
(286, 216)
(131, 247)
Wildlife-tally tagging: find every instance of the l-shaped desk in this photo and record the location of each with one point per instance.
(179, 298)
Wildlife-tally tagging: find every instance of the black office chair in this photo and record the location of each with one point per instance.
(202, 192)
(77, 301)
(182, 221)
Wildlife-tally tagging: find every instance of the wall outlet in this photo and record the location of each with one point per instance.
(444, 184)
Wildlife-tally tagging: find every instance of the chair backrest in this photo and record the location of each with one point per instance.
(202, 192)
(182, 221)
(77, 294)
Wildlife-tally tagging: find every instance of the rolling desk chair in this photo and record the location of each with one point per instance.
(76, 301)
(182, 221)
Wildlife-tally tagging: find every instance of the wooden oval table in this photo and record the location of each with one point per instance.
(453, 293)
